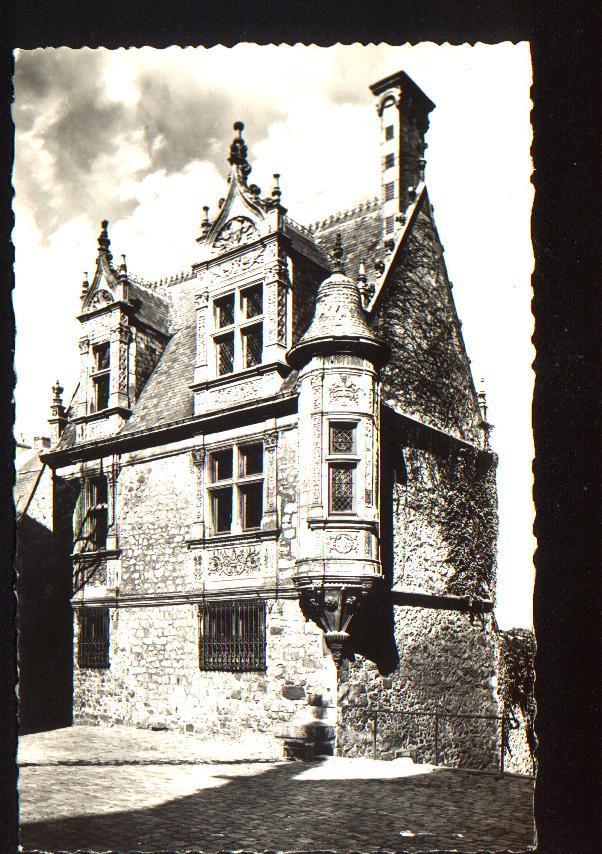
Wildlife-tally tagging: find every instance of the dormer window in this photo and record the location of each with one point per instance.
(101, 377)
(238, 323)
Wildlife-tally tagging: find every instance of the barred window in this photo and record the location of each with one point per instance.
(101, 377)
(238, 323)
(341, 488)
(232, 636)
(389, 132)
(389, 191)
(236, 488)
(93, 641)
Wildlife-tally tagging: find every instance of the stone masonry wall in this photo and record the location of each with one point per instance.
(154, 677)
(441, 541)
(427, 374)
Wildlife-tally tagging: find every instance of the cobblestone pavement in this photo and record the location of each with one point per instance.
(127, 790)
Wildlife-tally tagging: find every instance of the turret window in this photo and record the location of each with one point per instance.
(101, 377)
(238, 320)
(342, 466)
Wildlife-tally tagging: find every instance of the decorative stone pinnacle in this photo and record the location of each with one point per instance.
(103, 240)
(85, 285)
(238, 154)
(361, 272)
(482, 398)
(205, 224)
(58, 390)
(337, 254)
(123, 265)
(276, 192)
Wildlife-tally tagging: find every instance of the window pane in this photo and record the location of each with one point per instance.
(252, 301)
(221, 465)
(224, 311)
(341, 489)
(342, 438)
(252, 339)
(222, 509)
(225, 354)
(251, 460)
(101, 393)
(97, 524)
(102, 357)
(251, 510)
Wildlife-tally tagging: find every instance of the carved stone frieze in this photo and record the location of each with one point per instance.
(238, 265)
(234, 562)
(230, 395)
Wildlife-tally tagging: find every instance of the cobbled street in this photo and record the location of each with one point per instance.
(122, 789)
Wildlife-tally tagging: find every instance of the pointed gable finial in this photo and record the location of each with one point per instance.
(85, 286)
(276, 191)
(337, 254)
(104, 243)
(238, 155)
(123, 265)
(57, 390)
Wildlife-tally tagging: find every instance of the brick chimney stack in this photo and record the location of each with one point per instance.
(403, 110)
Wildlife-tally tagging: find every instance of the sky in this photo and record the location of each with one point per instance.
(141, 136)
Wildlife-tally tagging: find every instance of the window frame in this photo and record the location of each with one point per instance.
(90, 499)
(348, 460)
(100, 375)
(237, 482)
(239, 329)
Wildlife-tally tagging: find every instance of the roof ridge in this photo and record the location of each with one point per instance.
(163, 282)
(340, 216)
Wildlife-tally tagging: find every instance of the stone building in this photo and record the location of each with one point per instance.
(276, 478)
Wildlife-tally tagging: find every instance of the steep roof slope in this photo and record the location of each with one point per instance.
(361, 233)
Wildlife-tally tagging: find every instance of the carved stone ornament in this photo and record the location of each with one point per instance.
(342, 544)
(198, 456)
(201, 300)
(270, 440)
(84, 345)
(100, 298)
(238, 265)
(236, 232)
(234, 562)
(345, 391)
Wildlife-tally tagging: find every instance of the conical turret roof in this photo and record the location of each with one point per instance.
(339, 325)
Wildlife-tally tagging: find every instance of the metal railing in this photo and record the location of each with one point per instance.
(503, 724)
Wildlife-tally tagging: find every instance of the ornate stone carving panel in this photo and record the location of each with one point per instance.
(234, 562)
(239, 265)
(344, 392)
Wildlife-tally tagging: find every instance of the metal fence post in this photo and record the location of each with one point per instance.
(502, 745)
(436, 738)
(374, 734)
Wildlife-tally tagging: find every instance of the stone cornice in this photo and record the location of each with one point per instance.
(115, 599)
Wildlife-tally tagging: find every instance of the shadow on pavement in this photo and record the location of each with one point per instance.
(274, 809)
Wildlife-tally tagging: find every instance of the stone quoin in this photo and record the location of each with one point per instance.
(273, 488)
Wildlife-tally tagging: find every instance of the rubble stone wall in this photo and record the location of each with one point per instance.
(154, 677)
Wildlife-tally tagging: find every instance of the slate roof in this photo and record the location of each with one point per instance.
(166, 398)
(25, 482)
(152, 308)
(361, 232)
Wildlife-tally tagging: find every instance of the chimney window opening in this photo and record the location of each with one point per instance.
(389, 132)
(93, 640)
(342, 467)
(101, 377)
(238, 337)
(389, 224)
(389, 191)
(236, 488)
(389, 161)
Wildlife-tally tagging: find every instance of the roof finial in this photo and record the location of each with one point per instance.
(85, 286)
(103, 240)
(58, 390)
(238, 155)
(482, 397)
(337, 254)
(276, 191)
(205, 224)
(123, 265)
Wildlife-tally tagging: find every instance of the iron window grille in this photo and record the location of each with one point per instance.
(238, 335)
(389, 191)
(93, 640)
(232, 636)
(342, 467)
(236, 488)
(101, 377)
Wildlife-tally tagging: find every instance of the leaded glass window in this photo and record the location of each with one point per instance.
(225, 354)
(341, 488)
(342, 438)
(236, 488)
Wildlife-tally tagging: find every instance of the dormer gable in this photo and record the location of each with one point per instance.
(108, 284)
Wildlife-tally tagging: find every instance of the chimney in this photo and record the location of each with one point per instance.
(403, 111)
(41, 443)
